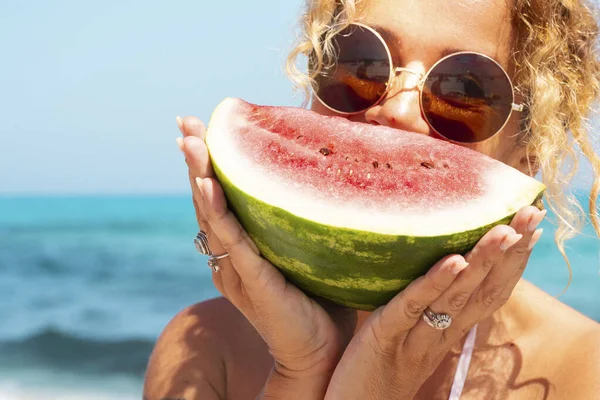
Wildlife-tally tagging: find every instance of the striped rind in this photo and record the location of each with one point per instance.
(358, 269)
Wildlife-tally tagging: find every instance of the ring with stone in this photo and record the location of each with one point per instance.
(436, 321)
(201, 243)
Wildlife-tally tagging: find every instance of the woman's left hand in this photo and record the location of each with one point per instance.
(395, 351)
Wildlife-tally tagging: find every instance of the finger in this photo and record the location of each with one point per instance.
(197, 160)
(226, 280)
(526, 222)
(259, 279)
(404, 311)
(472, 298)
(196, 157)
(191, 126)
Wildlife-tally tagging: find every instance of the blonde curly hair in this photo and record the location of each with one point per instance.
(557, 75)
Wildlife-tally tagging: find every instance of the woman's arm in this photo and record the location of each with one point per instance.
(188, 359)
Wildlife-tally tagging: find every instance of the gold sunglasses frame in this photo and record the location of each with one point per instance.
(395, 71)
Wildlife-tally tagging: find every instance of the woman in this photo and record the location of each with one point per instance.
(267, 339)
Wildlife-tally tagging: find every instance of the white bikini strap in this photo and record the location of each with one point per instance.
(463, 365)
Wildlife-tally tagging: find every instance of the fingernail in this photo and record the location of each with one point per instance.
(510, 241)
(459, 267)
(179, 143)
(536, 220)
(199, 184)
(179, 123)
(534, 238)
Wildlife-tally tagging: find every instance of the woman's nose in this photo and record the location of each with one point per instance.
(400, 108)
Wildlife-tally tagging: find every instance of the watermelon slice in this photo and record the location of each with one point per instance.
(354, 212)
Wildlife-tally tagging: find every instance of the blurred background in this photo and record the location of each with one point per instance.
(96, 222)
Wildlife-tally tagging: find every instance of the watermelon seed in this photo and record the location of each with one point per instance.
(368, 176)
(356, 160)
(375, 164)
(299, 136)
(446, 165)
(325, 151)
(350, 174)
(388, 165)
(427, 165)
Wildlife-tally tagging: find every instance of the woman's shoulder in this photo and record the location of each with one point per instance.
(567, 343)
(547, 310)
(203, 349)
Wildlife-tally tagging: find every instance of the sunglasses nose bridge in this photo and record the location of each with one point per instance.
(420, 76)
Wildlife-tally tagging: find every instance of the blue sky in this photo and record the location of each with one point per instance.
(89, 90)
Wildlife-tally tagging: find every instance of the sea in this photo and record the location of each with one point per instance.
(87, 283)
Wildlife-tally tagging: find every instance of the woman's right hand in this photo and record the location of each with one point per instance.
(305, 340)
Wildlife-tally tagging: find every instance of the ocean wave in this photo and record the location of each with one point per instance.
(19, 393)
(58, 350)
(94, 227)
(14, 389)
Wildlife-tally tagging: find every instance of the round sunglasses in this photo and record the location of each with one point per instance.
(465, 97)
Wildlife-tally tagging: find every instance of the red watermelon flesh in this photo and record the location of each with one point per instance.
(354, 160)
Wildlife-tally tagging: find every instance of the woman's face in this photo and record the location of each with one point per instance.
(419, 33)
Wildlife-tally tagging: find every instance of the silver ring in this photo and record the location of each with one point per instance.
(213, 261)
(436, 321)
(201, 243)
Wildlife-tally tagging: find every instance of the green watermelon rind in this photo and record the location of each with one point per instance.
(353, 268)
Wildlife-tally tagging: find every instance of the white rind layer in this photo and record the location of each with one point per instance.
(508, 191)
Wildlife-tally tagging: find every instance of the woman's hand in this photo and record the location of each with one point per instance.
(395, 351)
(305, 340)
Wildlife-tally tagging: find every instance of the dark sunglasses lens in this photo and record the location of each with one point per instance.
(467, 98)
(358, 76)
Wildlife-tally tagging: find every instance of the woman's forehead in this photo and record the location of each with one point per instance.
(428, 29)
